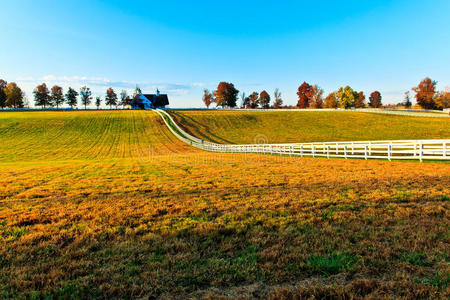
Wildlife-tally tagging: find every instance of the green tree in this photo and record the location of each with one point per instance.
(57, 97)
(98, 102)
(226, 95)
(14, 95)
(42, 96)
(111, 98)
(86, 96)
(407, 103)
(124, 98)
(2, 93)
(264, 99)
(71, 97)
(346, 97)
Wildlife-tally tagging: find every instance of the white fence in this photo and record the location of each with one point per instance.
(403, 149)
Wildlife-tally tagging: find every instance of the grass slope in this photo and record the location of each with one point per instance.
(113, 222)
(307, 126)
(84, 135)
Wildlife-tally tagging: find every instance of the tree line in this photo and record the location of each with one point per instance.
(226, 95)
(12, 96)
(54, 97)
(312, 96)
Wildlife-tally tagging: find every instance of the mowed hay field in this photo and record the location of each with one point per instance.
(109, 205)
(240, 127)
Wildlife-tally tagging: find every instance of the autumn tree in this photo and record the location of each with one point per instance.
(407, 103)
(71, 97)
(42, 96)
(111, 98)
(226, 95)
(98, 102)
(316, 98)
(277, 101)
(304, 94)
(86, 96)
(346, 97)
(360, 101)
(425, 93)
(57, 97)
(264, 99)
(331, 101)
(2, 93)
(14, 96)
(442, 99)
(208, 97)
(375, 99)
(253, 100)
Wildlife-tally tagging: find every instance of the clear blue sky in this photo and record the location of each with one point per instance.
(183, 47)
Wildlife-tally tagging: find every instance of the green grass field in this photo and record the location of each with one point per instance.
(238, 127)
(109, 204)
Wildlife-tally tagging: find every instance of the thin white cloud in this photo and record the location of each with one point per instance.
(98, 83)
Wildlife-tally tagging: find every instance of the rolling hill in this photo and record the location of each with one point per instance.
(242, 127)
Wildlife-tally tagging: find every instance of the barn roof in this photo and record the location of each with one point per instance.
(160, 100)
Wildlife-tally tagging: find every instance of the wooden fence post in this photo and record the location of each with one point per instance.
(365, 152)
(314, 151)
(345, 151)
(328, 152)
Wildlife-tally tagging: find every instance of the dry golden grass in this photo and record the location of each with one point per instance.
(190, 223)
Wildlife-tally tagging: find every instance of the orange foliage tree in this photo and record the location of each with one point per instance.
(304, 94)
(208, 97)
(360, 100)
(375, 99)
(264, 99)
(226, 94)
(316, 97)
(331, 101)
(425, 93)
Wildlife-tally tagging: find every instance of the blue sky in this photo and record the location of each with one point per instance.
(182, 47)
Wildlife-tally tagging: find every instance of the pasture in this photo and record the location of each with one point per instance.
(110, 204)
(242, 127)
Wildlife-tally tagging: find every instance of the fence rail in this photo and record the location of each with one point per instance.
(401, 149)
